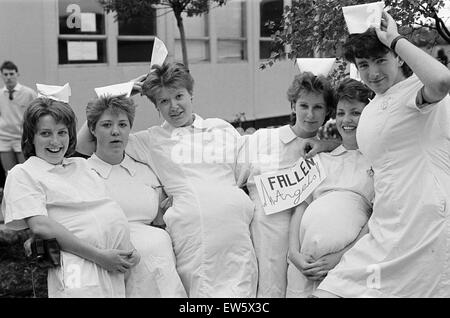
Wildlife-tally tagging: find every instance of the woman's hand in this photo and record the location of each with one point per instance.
(27, 246)
(320, 268)
(311, 147)
(134, 258)
(115, 260)
(137, 84)
(388, 29)
(329, 261)
(301, 261)
(305, 264)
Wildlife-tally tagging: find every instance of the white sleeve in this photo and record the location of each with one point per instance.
(138, 146)
(23, 198)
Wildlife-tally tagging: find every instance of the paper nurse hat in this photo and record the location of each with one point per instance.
(363, 16)
(317, 66)
(59, 93)
(115, 90)
(159, 53)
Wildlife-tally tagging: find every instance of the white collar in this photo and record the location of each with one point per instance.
(46, 166)
(16, 88)
(197, 123)
(286, 134)
(104, 169)
(341, 150)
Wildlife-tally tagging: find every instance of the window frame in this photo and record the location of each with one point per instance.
(86, 37)
(265, 38)
(243, 39)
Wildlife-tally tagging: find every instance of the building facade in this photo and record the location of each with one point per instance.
(59, 41)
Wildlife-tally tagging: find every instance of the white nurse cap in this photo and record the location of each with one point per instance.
(115, 90)
(317, 66)
(361, 17)
(58, 93)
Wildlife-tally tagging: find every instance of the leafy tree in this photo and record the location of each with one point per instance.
(317, 27)
(129, 9)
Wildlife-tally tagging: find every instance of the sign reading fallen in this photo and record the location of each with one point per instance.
(284, 189)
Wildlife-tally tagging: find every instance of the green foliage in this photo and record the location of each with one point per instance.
(16, 272)
(128, 9)
(317, 28)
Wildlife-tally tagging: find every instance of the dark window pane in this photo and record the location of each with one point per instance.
(270, 11)
(81, 17)
(81, 51)
(266, 48)
(134, 51)
(139, 25)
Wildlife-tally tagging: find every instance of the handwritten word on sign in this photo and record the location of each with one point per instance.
(284, 189)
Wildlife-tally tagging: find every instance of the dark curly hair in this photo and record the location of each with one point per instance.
(367, 45)
(351, 89)
(61, 113)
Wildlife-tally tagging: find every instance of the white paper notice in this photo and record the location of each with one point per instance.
(81, 51)
(284, 189)
(317, 66)
(59, 93)
(363, 16)
(115, 90)
(88, 22)
(159, 53)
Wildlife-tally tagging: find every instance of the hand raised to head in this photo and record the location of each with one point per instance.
(388, 30)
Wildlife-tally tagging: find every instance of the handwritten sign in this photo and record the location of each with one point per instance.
(284, 189)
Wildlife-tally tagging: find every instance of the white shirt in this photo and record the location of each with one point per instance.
(407, 252)
(11, 111)
(74, 196)
(210, 216)
(132, 184)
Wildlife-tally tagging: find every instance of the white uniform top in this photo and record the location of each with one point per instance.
(338, 208)
(210, 216)
(134, 186)
(11, 111)
(74, 196)
(407, 252)
(340, 205)
(265, 151)
(346, 170)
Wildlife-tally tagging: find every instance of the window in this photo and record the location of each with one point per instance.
(197, 38)
(271, 11)
(82, 37)
(231, 31)
(136, 38)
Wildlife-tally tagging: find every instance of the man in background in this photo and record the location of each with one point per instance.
(14, 100)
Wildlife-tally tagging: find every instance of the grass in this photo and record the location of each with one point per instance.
(16, 273)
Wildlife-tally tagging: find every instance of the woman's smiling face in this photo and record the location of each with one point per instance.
(348, 113)
(51, 140)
